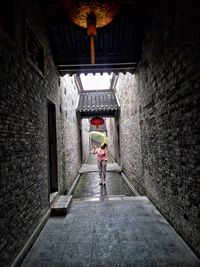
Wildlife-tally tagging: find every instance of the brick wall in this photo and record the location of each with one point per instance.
(113, 145)
(24, 198)
(69, 134)
(86, 144)
(160, 110)
(169, 94)
(130, 144)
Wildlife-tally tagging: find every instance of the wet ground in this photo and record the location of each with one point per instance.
(110, 233)
(88, 185)
(107, 227)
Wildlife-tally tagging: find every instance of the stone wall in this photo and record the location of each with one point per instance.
(113, 146)
(160, 117)
(70, 151)
(86, 145)
(130, 143)
(24, 197)
(169, 95)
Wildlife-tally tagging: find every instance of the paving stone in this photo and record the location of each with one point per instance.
(41, 263)
(88, 186)
(106, 239)
(77, 254)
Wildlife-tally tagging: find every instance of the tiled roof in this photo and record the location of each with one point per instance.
(98, 102)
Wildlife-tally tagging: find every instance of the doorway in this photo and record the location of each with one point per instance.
(52, 140)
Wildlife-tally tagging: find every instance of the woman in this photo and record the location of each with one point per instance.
(102, 162)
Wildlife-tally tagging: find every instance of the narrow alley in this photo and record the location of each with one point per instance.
(88, 186)
(108, 226)
(99, 86)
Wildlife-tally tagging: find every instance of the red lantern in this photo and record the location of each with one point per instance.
(97, 121)
(91, 15)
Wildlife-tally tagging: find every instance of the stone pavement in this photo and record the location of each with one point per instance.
(107, 227)
(127, 233)
(88, 186)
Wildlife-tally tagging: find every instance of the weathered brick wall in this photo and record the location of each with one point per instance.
(169, 94)
(69, 149)
(130, 144)
(86, 144)
(111, 133)
(160, 117)
(167, 98)
(113, 146)
(24, 196)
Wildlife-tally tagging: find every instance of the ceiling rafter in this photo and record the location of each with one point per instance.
(117, 45)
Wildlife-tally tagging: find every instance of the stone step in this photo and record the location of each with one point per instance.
(53, 197)
(61, 206)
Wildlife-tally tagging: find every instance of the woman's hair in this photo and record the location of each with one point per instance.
(104, 145)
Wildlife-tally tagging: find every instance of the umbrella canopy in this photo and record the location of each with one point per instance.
(99, 137)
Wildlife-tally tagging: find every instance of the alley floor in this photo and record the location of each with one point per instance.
(88, 186)
(109, 227)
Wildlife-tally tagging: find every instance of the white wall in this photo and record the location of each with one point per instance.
(85, 126)
(112, 138)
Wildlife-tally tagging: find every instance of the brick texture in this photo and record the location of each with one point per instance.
(86, 142)
(130, 143)
(161, 104)
(24, 197)
(113, 142)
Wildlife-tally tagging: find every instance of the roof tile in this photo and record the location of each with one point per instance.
(97, 101)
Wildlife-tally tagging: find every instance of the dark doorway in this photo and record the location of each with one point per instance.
(53, 172)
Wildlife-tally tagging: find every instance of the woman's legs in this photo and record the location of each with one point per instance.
(100, 170)
(104, 165)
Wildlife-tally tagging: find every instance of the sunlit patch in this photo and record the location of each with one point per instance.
(97, 81)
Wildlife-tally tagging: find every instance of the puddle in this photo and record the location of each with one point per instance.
(88, 186)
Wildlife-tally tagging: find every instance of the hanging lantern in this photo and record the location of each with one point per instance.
(97, 121)
(91, 15)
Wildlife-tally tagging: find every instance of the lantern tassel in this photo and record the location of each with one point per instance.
(92, 51)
